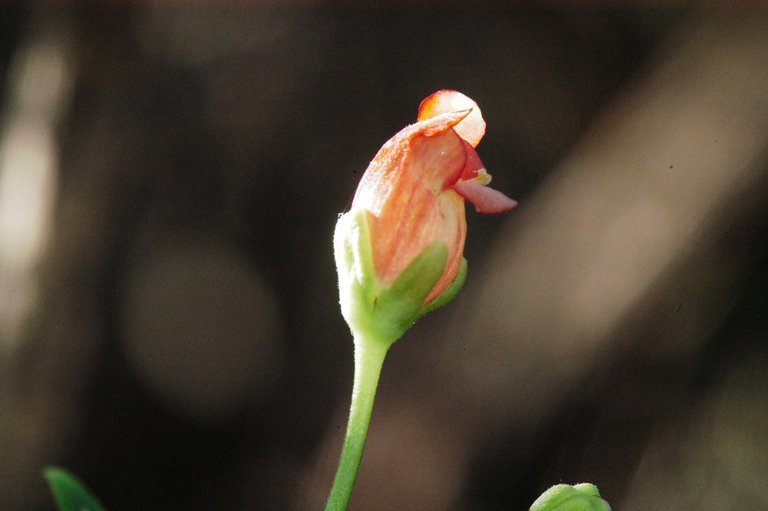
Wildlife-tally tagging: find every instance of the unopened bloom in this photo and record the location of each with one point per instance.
(563, 497)
(399, 250)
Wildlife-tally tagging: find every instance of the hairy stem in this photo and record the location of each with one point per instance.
(369, 357)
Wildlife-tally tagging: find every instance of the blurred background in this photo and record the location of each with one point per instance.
(170, 176)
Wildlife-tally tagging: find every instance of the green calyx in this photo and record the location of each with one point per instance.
(563, 497)
(385, 312)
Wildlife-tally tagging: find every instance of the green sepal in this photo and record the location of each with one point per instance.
(70, 493)
(449, 293)
(400, 305)
(354, 264)
(372, 309)
(563, 497)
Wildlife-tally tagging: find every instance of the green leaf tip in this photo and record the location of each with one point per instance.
(563, 497)
(69, 492)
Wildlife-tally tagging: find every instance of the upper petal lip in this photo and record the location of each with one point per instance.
(388, 168)
(471, 128)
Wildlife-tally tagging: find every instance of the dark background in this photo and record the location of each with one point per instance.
(170, 176)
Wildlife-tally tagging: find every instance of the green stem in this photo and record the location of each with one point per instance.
(369, 357)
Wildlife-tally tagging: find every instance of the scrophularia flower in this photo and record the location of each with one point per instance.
(399, 250)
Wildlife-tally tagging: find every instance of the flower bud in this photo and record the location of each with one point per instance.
(399, 250)
(563, 497)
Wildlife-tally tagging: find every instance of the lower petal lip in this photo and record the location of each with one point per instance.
(486, 200)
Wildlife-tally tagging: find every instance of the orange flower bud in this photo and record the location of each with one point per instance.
(399, 250)
(415, 187)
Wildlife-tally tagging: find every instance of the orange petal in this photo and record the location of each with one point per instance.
(394, 160)
(471, 129)
(408, 209)
(472, 165)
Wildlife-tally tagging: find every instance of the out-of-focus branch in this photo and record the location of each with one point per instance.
(34, 422)
(649, 182)
(713, 458)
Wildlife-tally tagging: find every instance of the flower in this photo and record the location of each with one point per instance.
(409, 209)
(416, 185)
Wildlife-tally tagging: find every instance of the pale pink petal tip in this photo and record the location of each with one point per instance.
(471, 128)
(486, 200)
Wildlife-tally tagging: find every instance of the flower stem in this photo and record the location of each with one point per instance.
(369, 357)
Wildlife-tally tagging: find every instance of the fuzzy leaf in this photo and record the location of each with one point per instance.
(69, 492)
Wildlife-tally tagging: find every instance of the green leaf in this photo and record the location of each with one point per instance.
(70, 494)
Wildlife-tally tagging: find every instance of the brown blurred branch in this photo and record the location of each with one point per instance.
(652, 179)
